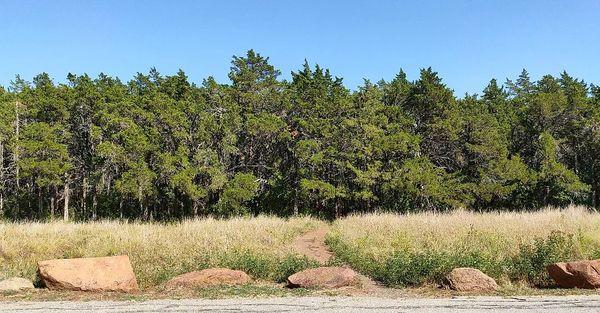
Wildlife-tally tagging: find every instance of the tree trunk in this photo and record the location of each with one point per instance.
(121, 208)
(195, 208)
(66, 207)
(296, 202)
(40, 202)
(16, 150)
(52, 201)
(546, 194)
(94, 205)
(594, 197)
(29, 205)
(84, 196)
(143, 210)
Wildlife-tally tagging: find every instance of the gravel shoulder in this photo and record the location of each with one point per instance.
(320, 304)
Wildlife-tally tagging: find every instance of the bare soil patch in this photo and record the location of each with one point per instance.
(312, 245)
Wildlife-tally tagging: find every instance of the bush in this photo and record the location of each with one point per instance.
(530, 264)
(412, 268)
(266, 266)
(413, 249)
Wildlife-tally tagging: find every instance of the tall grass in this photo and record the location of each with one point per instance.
(418, 248)
(259, 246)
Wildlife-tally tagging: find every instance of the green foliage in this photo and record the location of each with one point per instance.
(414, 269)
(409, 267)
(426, 186)
(554, 179)
(530, 264)
(163, 147)
(44, 156)
(237, 192)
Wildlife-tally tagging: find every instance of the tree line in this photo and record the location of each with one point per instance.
(160, 147)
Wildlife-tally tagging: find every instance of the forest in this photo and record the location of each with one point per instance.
(163, 148)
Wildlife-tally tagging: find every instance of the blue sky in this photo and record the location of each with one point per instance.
(467, 42)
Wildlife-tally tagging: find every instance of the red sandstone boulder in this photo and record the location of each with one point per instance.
(469, 279)
(89, 274)
(209, 277)
(579, 274)
(323, 277)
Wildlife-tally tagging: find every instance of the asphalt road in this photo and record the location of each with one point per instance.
(320, 304)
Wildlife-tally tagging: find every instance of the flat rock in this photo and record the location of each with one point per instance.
(209, 277)
(323, 277)
(576, 274)
(89, 274)
(15, 284)
(469, 279)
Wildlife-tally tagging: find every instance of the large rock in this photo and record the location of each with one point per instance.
(469, 279)
(323, 277)
(15, 284)
(580, 274)
(89, 274)
(209, 277)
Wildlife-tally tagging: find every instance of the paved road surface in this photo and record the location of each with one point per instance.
(320, 304)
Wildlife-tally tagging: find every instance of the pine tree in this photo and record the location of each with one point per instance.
(161, 147)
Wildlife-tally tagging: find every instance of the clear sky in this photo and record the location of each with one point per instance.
(467, 42)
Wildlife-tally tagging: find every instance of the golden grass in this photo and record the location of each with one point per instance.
(419, 247)
(380, 234)
(408, 249)
(157, 251)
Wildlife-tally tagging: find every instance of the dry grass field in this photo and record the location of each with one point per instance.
(260, 246)
(418, 248)
(397, 250)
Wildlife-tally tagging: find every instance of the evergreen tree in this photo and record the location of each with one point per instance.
(161, 147)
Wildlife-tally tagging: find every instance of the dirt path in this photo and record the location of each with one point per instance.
(312, 244)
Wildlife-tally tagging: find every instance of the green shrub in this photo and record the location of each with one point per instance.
(411, 267)
(530, 264)
(494, 267)
(412, 249)
(265, 266)
(291, 264)
(404, 268)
